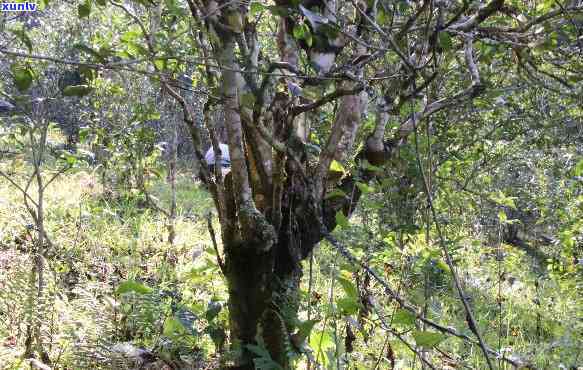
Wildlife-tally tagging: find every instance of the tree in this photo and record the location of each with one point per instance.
(292, 178)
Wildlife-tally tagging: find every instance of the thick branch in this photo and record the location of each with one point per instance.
(325, 100)
(469, 55)
(348, 112)
(253, 223)
(482, 14)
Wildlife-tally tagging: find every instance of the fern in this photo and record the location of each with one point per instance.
(263, 361)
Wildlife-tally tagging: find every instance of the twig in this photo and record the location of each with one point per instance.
(54, 177)
(326, 99)
(392, 42)
(209, 223)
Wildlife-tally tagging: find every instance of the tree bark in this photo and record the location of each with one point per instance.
(264, 283)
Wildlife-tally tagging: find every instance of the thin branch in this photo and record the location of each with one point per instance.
(392, 42)
(194, 133)
(411, 21)
(116, 66)
(24, 191)
(54, 177)
(299, 109)
(546, 17)
(211, 230)
(399, 336)
(407, 127)
(145, 33)
(153, 203)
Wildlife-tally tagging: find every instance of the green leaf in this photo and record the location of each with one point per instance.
(309, 40)
(130, 36)
(213, 310)
(445, 41)
(160, 64)
(503, 199)
(84, 9)
(567, 239)
(84, 134)
(320, 341)
(341, 219)
(369, 167)
(544, 6)
(263, 360)
(298, 31)
(304, 329)
(348, 287)
(77, 90)
(136, 48)
(364, 188)
(443, 266)
(69, 158)
(247, 100)
(22, 77)
(404, 317)
(382, 17)
(348, 305)
(133, 286)
(23, 37)
(336, 193)
(578, 170)
(427, 339)
(255, 8)
(336, 166)
(101, 2)
(172, 327)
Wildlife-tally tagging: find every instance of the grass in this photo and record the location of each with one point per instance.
(100, 240)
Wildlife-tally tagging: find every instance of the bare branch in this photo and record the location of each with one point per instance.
(482, 14)
(54, 177)
(389, 38)
(211, 230)
(299, 109)
(547, 16)
(469, 55)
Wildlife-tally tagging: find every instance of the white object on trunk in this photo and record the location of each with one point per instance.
(225, 159)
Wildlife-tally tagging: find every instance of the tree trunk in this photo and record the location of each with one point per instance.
(264, 286)
(247, 270)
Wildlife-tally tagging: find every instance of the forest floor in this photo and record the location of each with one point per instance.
(100, 239)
